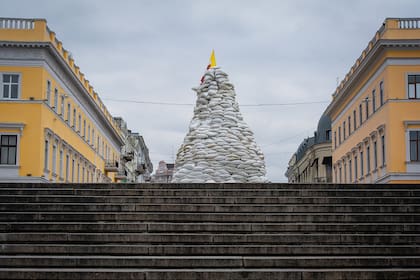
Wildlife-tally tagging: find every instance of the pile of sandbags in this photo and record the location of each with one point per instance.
(219, 146)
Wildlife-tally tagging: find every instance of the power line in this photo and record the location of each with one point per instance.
(190, 104)
(148, 102)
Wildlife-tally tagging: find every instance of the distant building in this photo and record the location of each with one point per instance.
(163, 173)
(375, 110)
(135, 166)
(312, 162)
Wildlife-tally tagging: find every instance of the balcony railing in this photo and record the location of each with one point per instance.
(409, 23)
(17, 23)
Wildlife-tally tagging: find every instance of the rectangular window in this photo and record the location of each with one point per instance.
(74, 118)
(78, 172)
(413, 86)
(98, 147)
(84, 128)
(367, 109)
(10, 86)
(349, 123)
(93, 138)
(54, 158)
(367, 159)
(340, 175)
(360, 115)
(83, 174)
(344, 130)
(350, 173)
(56, 100)
(355, 168)
(67, 167)
(373, 101)
(80, 124)
(383, 150)
(339, 135)
(48, 97)
(60, 164)
(345, 172)
(72, 170)
(328, 135)
(361, 164)
(8, 149)
(354, 120)
(375, 155)
(381, 93)
(414, 145)
(62, 106)
(68, 112)
(335, 139)
(88, 136)
(46, 154)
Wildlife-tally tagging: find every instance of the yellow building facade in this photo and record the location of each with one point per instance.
(53, 125)
(375, 111)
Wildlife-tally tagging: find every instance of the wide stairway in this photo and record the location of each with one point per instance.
(209, 231)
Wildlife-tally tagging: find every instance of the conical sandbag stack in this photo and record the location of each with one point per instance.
(219, 146)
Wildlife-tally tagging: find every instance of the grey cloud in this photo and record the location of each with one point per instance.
(274, 51)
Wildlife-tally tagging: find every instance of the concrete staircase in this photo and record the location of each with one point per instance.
(215, 231)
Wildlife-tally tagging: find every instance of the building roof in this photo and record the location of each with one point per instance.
(320, 136)
(394, 32)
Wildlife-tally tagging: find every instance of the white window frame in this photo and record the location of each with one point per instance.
(406, 84)
(19, 85)
(17, 146)
(412, 166)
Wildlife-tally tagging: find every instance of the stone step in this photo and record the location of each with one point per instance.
(210, 217)
(215, 192)
(204, 186)
(206, 199)
(185, 208)
(212, 238)
(212, 273)
(222, 261)
(208, 227)
(208, 249)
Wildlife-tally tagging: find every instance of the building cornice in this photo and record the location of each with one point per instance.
(75, 80)
(366, 63)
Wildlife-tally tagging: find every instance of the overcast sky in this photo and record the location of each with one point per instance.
(274, 52)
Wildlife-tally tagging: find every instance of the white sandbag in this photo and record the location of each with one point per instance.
(219, 146)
